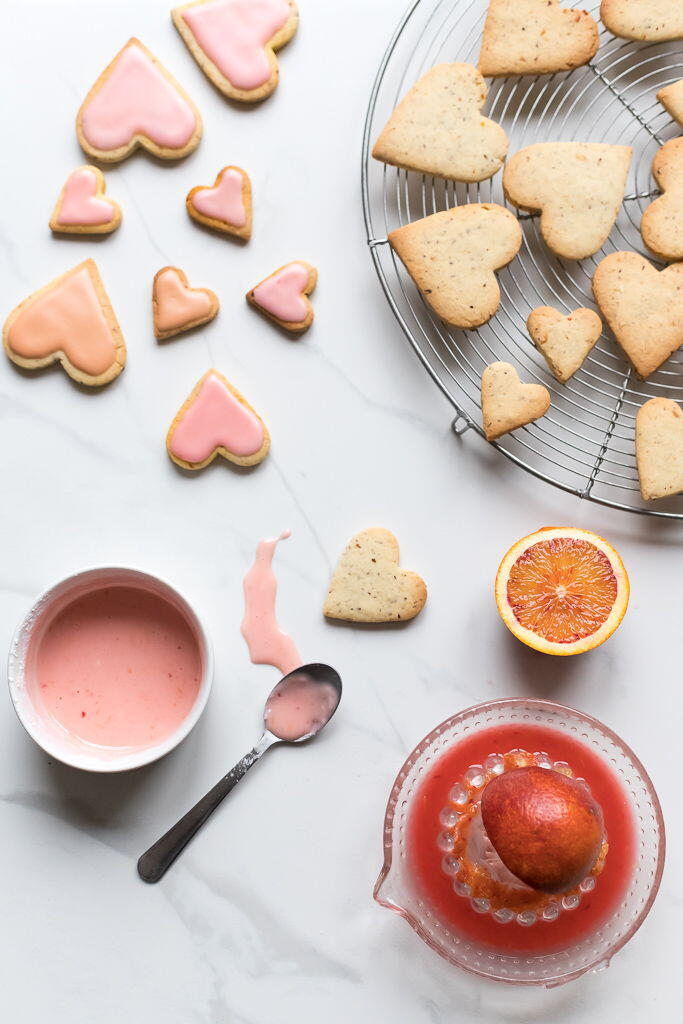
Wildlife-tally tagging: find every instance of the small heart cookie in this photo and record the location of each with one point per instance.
(643, 307)
(659, 448)
(369, 586)
(176, 307)
(136, 102)
(535, 37)
(671, 98)
(217, 420)
(438, 128)
(643, 19)
(234, 42)
(283, 297)
(662, 223)
(70, 321)
(578, 188)
(451, 257)
(83, 208)
(226, 205)
(564, 341)
(507, 403)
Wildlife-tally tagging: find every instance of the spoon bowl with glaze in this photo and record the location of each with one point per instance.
(301, 704)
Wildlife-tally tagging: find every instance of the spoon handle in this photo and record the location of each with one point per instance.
(154, 864)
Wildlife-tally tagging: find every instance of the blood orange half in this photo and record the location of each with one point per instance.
(562, 590)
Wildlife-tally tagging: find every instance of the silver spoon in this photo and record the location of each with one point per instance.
(297, 709)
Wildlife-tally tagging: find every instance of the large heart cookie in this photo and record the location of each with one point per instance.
(578, 188)
(438, 128)
(671, 98)
(224, 206)
(83, 208)
(662, 223)
(643, 307)
(535, 37)
(135, 102)
(283, 297)
(369, 586)
(564, 341)
(507, 403)
(70, 321)
(643, 19)
(659, 448)
(177, 307)
(217, 420)
(452, 257)
(234, 42)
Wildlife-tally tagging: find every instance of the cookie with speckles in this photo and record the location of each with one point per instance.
(564, 341)
(662, 222)
(507, 402)
(535, 37)
(652, 20)
(659, 448)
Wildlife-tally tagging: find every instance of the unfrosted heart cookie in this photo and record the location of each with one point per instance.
(662, 223)
(83, 208)
(369, 586)
(283, 297)
(217, 420)
(671, 98)
(643, 307)
(643, 19)
(507, 403)
(438, 128)
(535, 37)
(577, 187)
(70, 321)
(659, 448)
(176, 307)
(136, 102)
(452, 257)
(224, 206)
(564, 341)
(234, 42)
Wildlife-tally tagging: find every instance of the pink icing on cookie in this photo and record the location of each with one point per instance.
(233, 34)
(176, 303)
(282, 294)
(80, 203)
(216, 419)
(136, 98)
(223, 201)
(267, 643)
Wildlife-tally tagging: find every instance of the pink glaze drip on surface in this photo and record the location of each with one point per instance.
(233, 34)
(267, 643)
(116, 667)
(216, 419)
(80, 203)
(137, 98)
(282, 294)
(300, 708)
(223, 201)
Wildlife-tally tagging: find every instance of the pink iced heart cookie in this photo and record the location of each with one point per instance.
(283, 297)
(234, 42)
(83, 208)
(136, 102)
(226, 205)
(176, 306)
(217, 420)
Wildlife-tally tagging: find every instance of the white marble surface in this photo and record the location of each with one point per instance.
(268, 918)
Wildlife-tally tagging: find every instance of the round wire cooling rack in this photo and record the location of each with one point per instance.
(585, 443)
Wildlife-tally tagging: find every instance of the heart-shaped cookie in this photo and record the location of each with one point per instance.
(135, 102)
(535, 37)
(234, 42)
(659, 448)
(564, 341)
(83, 208)
(369, 586)
(662, 223)
(578, 188)
(452, 256)
(217, 420)
(176, 307)
(507, 403)
(226, 205)
(671, 98)
(438, 128)
(643, 19)
(283, 297)
(70, 321)
(643, 307)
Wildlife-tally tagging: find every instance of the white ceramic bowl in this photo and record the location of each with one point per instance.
(58, 743)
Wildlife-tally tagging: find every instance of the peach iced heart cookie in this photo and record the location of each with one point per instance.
(507, 403)
(564, 341)
(671, 98)
(136, 102)
(659, 448)
(224, 206)
(176, 306)
(643, 19)
(283, 297)
(535, 37)
(70, 321)
(662, 223)
(234, 42)
(369, 586)
(217, 420)
(83, 208)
